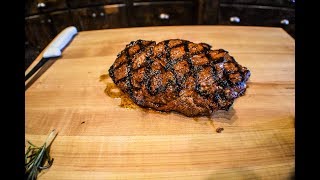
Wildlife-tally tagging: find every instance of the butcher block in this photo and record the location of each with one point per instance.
(106, 137)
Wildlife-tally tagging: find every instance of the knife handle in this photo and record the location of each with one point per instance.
(54, 49)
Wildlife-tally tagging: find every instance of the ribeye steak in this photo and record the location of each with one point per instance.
(179, 75)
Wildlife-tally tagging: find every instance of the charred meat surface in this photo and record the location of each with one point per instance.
(179, 75)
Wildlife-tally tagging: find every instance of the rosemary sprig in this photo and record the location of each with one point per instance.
(36, 157)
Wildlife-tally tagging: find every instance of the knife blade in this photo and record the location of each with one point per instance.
(55, 48)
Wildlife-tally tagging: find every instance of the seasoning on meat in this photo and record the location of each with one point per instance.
(179, 75)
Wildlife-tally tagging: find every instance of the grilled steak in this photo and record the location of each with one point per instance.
(179, 75)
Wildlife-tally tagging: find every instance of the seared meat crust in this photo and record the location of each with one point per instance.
(179, 75)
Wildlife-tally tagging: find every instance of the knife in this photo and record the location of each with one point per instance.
(55, 48)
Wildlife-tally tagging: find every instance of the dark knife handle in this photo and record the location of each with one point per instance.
(35, 68)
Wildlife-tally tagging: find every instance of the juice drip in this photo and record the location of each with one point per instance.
(208, 122)
(212, 124)
(114, 92)
(105, 78)
(196, 119)
(126, 102)
(218, 129)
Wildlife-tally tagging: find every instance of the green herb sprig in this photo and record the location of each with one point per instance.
(36, 157)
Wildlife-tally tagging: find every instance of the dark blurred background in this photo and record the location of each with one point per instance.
(44, 19)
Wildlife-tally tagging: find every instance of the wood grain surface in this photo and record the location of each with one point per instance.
(98, 139)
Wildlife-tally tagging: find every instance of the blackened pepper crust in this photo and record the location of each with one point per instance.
(179, 75)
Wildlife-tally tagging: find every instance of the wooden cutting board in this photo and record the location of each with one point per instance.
(99, 139)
